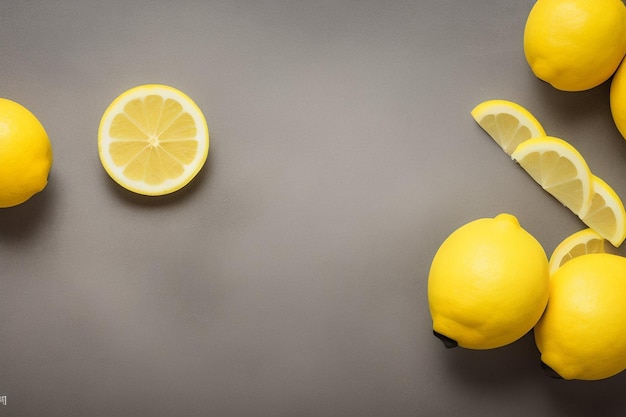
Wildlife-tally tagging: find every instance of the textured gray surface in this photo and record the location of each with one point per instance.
(289, 278)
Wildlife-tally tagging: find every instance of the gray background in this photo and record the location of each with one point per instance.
(289, 278)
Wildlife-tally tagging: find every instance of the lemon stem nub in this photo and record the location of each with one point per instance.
(550, 372)
(449, 343)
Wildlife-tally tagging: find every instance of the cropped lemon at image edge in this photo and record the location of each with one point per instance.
(153, 139)
(575, 45)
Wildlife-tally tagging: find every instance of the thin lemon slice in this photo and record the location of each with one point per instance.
(559, 168)
(606, 213)
(580, 243)
(508, 123)
(153, 139)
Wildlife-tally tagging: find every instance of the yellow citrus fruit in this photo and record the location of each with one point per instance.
(488, 284)
(606, 213)
(508, 123)
(575, 45)
(577, 244)
(25, 154)
(618, 99)
(153, 139)
(582, 333)
(560, 170)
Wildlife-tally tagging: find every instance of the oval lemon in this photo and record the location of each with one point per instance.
(575, 45)
(488, 284)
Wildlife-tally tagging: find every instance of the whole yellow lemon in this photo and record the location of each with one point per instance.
(488, 284)
(582, 334)
(25, 154)
(618, 99)
(575, 45)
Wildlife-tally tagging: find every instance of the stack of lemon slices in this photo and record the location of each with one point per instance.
(556, 165)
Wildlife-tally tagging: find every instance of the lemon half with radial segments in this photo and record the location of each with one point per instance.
(560, 170)
(508, 123)
(153, 139)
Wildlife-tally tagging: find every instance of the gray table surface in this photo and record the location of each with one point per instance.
(289, 278)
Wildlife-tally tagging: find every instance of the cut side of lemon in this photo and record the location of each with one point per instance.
(508, 123)
(560, 170)
(153, 139)
(606, 213)
(580, 243)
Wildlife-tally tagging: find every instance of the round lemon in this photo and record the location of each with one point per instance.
(488, 284)
(575, 45)
(582, 334)
(25, 154)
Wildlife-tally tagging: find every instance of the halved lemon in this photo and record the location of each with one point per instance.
(580, 243)
(559, 168)
(606, 213)
(508, 123)
(153, 139)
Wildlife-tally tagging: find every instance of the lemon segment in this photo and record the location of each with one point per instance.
(580, 243)
(560, 170)
(508, 123)
(606, 213)
(153, 139)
